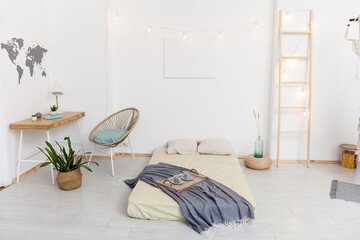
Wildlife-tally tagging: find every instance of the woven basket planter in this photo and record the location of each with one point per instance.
(69, 180)
(258, 163)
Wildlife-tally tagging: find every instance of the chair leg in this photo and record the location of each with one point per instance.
(132, 153)
(112, 161)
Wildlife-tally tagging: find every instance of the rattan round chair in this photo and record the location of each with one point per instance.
(124, 119)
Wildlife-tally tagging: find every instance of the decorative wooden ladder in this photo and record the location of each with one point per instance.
(282, 58)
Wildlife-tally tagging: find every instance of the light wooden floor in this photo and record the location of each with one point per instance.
(293, 203)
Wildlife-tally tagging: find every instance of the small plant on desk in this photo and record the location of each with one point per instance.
(34, 117)
(67, 163)
(53, 109)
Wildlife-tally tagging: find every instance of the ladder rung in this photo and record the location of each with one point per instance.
(299, 107)
(296, 32)
(293, 82)
(296, 57)
(293, 132)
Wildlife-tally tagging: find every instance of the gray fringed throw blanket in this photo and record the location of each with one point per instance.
(206, 205)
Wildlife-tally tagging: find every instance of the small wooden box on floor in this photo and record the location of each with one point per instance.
(258, 163)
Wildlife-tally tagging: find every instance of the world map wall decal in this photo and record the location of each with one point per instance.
(31, 58)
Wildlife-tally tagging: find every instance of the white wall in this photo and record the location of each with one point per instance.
(77, 50)
(193, 108)
(336, 95)
(20, 101)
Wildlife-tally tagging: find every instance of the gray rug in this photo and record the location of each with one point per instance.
(345, 191)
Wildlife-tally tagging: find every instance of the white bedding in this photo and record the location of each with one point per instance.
(148, 202)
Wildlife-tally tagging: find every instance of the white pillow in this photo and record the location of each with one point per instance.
(215, 146)
(182, 146)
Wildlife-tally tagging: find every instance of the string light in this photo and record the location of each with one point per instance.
(220, 34)
(305, 112)
(152, 26)
(184, 35)
(287, 16)
(312, 25)
(302, 90)
(116, 17)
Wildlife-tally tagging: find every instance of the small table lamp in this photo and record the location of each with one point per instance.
(57, 92)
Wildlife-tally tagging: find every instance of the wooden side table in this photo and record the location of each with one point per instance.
(47, 125)
(258, 163)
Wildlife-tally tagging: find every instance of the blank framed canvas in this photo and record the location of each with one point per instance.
(192, 57)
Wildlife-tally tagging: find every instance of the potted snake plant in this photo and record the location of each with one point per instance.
(53, 110)
(67, 163)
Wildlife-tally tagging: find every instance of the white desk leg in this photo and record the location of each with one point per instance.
(82, 139)
(19, 157)
(91, 154)
(51, 166)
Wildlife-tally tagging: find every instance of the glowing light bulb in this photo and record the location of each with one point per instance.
(302, 90)
(287, 16)
(305, 112)
(220, 34)
(149, 29)
(183, 35)
(312, 25)
(256, 24)
(116, 17)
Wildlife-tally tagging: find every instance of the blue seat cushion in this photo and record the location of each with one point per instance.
(110, 135)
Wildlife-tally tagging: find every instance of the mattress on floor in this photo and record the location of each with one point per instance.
(149, 202)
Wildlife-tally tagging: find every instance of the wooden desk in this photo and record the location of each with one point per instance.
(42, 124)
